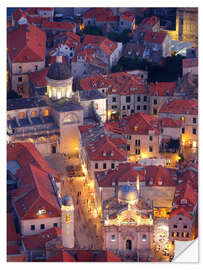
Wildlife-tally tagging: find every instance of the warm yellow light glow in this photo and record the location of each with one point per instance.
(109, 114)
(143, 156)
(194, 144)
(84, 169)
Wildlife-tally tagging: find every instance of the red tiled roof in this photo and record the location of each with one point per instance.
(85, 128)
(38, 241)
(67, 26)
(149, 22)
(108, 256)
(180, 106)
(170, 122)
(35, 20)
(180, 211)
(34, 11)
(190, 62)
(107, 19)
(16, 258)
(18, 13)
(38, 78)
(26, 45)
(11, 231)
(162, 88)
(137, 123)
(12, 249)
(127, 172)
(127, 18)
(40, 194)
(25, 154)
(160, 176)
(121, 83)
(96, 12)
(61, 256)
(104, 149)
(155, 37)
(127, 13)
(101, 42)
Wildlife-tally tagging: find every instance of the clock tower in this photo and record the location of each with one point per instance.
(67, 222)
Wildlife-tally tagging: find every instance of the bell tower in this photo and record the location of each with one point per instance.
(67, 222)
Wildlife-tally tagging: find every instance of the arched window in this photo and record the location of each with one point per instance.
(128, 244)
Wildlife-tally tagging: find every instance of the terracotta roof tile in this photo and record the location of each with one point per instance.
(180, 106)
(38, 241)
(108, 256)
(96, 12)
(62, 26)
(61, 256)
(137, 123)
(149, 22)
(38, 78)
(26, 44)
(180, 211)
(155, 37)
(11, 230)
(170, 122)
(162, 88)
(160, 176)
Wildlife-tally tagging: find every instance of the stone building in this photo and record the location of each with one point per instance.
(128, 224)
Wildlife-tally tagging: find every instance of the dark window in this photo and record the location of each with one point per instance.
(172, 233)
(155, 101)
(32, 227)
(128, 107)
(194, 120)
(128, 147)
(145, 107)
(129, 244)
(182, 234)
(127, 99)
(88, 22)
(185, 226)
(42, 226)
(187, 234)
(112, 166)
(175, 226)
(20, 79)
(180, 218)
(183, 130)
(129, 137)
(123, 107)
(145, 98)
(55, 224)
(150, 138)
(114, 107)
(177, 234)
(137, 142)
(144, 238)
(121, 23)
(96, 165)
(104, 165)
(113, 99)
(138, 108)
(150, 149)
(138, 99)
(137, 151)
(71, 54)
(194, 131)
(154, 111)
(113, 238)
(132, 111)
(36, 67)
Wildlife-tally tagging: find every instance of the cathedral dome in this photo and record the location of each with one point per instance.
(128, 194)
(59, 70)
(67, 201)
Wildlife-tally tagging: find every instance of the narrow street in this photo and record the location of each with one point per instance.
(87, 221)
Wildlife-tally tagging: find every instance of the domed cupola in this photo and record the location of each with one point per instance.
(128, 194)
(59, 80)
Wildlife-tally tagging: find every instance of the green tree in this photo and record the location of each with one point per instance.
(92, 30)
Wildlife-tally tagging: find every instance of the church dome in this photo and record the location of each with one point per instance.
(59, 71)
(127, 193)
(67, 201)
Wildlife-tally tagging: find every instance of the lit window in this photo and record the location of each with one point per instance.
(96, 106)
(183, 119)
(46, 112)
(21, 115)
(33, 113)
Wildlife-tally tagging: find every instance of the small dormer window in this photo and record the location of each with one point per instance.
(151, 182)
(160, 183)
(183, 201)
(104, 154)
(112, 154)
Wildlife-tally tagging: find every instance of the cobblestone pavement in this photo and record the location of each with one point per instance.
(87, 224)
